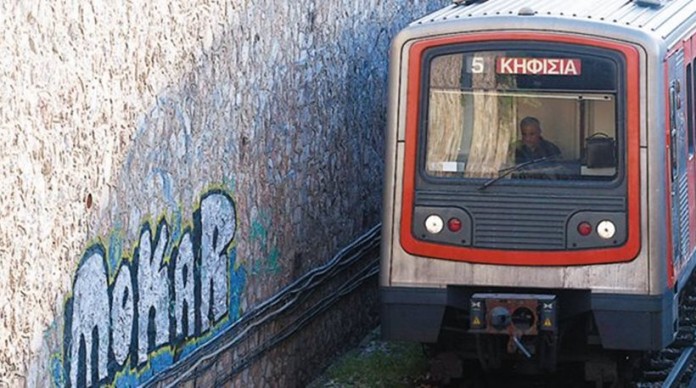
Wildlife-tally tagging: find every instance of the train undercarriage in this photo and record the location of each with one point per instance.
(474, 331)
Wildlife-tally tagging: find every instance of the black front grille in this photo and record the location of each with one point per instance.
(505, 221)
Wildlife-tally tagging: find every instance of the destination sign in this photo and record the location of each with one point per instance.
(538, 66)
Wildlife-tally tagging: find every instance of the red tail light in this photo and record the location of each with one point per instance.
(454, 225)
(584, 228)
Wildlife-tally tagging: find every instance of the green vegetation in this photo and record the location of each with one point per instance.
(377, 363)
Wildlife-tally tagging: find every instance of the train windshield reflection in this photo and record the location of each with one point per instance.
(490, 111)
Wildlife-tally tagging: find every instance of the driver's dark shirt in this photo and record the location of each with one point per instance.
(544, 149)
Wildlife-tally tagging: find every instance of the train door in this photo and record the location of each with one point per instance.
(679, 179)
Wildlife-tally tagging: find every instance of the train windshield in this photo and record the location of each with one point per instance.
(522, 114)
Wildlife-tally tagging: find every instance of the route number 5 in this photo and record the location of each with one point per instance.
(477, 65)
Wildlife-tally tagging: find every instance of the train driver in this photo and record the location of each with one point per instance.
(533, 146)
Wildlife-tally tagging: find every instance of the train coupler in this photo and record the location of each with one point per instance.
(529, 321)
(513, 314)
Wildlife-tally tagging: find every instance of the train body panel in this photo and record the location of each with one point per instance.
(409, 270)
(466, 220)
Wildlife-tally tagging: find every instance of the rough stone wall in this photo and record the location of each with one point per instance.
(119, 119)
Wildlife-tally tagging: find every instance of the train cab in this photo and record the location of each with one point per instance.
(537, 186)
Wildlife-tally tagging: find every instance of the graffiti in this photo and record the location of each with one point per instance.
(152, 308)
(259, 235)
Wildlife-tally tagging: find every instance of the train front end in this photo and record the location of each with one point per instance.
(516, 192)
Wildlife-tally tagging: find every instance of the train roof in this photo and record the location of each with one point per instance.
(663, 19)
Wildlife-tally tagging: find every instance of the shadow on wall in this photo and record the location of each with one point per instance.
(273, 145)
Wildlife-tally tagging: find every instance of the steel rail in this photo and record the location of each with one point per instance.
(679, 369)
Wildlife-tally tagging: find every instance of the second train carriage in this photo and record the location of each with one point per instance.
(588, 244)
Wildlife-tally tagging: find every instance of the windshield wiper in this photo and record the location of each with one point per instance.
(509, 170)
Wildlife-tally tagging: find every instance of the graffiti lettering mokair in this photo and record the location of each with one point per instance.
(180, 285)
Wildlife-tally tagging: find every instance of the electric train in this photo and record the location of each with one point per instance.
(566, 254)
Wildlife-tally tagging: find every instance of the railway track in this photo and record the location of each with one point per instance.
(675, 366)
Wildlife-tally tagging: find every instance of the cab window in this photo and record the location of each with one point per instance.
(540, 113)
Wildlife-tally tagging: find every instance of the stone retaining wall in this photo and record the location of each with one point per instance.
(169, 162)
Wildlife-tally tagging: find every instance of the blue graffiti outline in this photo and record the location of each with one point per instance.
(175, 349)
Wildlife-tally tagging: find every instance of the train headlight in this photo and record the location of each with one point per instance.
(606, 229)
(588, 229)
(434, 224)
